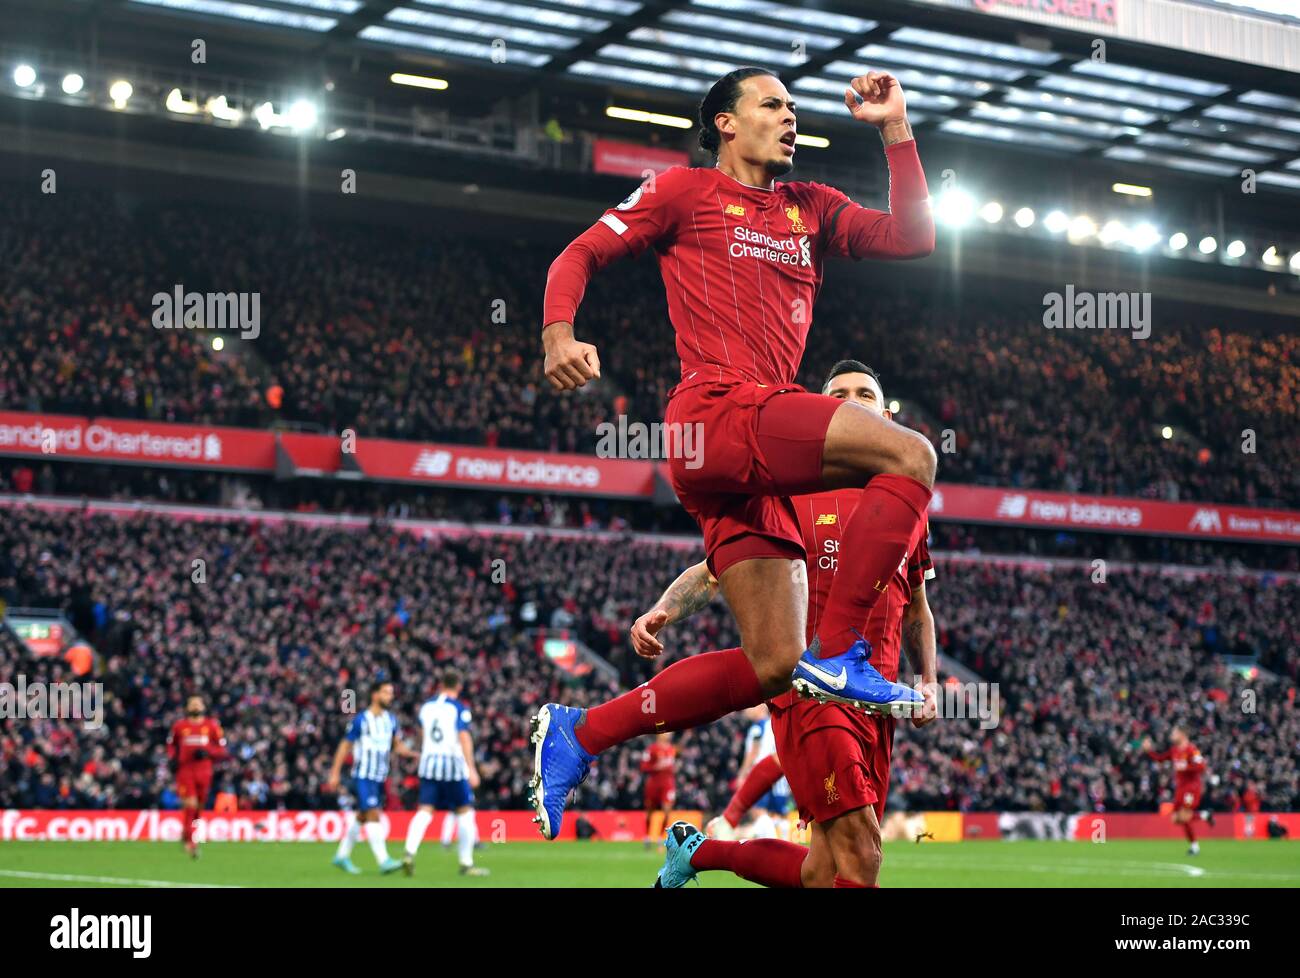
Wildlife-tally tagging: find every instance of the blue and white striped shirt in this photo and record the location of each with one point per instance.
(372, 743)
(441, 758)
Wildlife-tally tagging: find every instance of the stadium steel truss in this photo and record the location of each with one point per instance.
(999, 80)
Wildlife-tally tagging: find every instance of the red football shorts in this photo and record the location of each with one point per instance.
(1187, 797)
(835, 758)
(755, 445)
(660, 793)
(194, 781)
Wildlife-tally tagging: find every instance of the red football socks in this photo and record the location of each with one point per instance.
(689, 693)
(188, 815)
(768, 862)
(874, 544)
(757, 783)
(1189, 831)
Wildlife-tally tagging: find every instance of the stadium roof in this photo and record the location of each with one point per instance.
(1023, 91)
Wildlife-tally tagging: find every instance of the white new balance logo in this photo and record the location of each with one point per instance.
(432, 463)
(1013, 506)
(1206, 520)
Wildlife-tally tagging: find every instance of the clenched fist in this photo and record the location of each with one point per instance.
(569, 363)
(881, 98)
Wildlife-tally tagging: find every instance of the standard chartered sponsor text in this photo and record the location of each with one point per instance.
(104, 439)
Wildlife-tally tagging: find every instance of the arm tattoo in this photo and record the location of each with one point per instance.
(687, 595)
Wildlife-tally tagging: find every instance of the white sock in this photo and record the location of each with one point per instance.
(448, 828)
(375, 836)
(468, 836)
(415, 834)
(351, 835)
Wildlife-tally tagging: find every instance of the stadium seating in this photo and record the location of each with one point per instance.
(289, 619)
(413, 335)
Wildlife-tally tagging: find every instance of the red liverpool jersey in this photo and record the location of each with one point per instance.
(742, 265)
(1189, 766)
(821, 520)
(188, 736)
(660, 760)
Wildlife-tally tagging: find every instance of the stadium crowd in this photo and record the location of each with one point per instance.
(276, 624)
(416, 334)
(1086, 669)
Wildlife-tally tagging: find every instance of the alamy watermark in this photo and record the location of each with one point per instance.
(959, 701)
(657, 440)
(1098, 310)
(22, 700)
(179, 309)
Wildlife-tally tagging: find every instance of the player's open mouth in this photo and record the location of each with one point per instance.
(788, 140)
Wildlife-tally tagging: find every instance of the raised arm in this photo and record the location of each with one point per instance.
(1155, 755)
(570, 363)
(906, 230)
(694, 588)
(646, 217)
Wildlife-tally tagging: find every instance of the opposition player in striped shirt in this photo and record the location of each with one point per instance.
(372, 738)
(759, 760)
(835, 757)
(448, 774)
(742, 258)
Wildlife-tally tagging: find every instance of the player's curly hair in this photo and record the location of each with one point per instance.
(851, 367)
(722, 97)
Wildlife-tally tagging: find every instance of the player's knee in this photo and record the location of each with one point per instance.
(817, 874)
(774, 676)
(918, 459)
(774, 669)
(773, 662)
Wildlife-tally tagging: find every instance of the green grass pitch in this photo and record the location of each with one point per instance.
(574, 864)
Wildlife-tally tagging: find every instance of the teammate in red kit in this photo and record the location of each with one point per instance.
(836, 758)
(660, 768)
(1189, 775)
(742, 258)
(193, 744)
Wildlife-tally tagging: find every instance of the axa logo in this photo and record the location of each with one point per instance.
(1207, 521)
(432, 463)
(1013, 507)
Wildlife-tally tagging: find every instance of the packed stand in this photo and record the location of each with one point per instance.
(276, 624)
(419, 335)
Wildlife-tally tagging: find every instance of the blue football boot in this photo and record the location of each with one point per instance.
(681, 842)
(851, 679)
(345, 864)
(559, 764)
